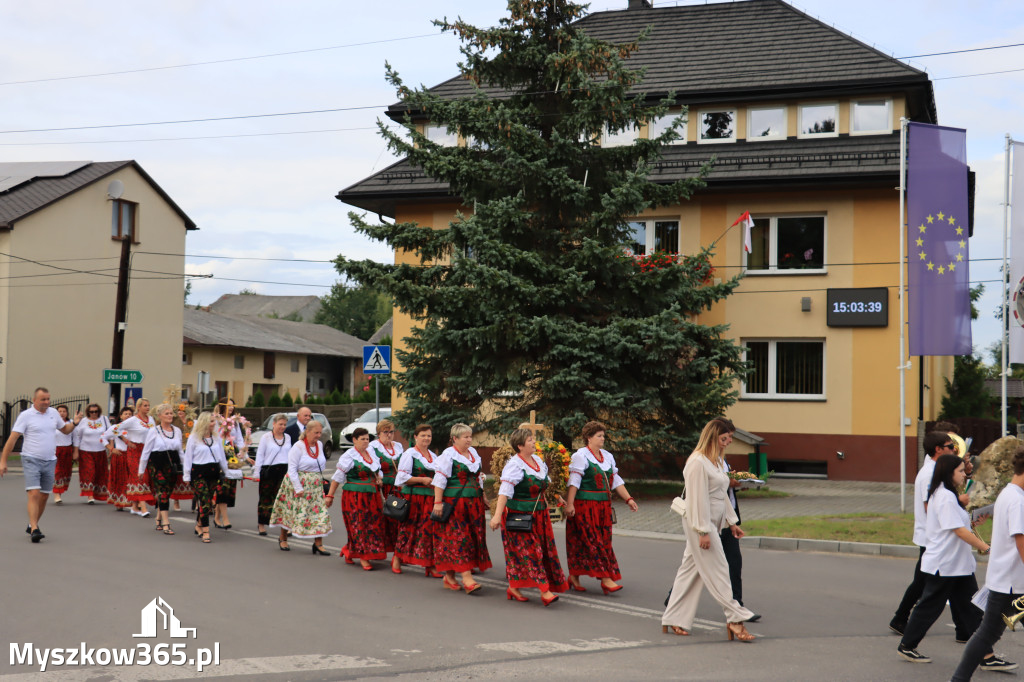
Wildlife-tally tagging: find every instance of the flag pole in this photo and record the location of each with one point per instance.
(900, 298)
(1005, 330)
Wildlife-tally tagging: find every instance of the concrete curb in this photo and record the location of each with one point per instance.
(799, 545)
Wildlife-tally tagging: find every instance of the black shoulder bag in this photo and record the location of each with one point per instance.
(610, 505)
(326, 483)
(522, 522)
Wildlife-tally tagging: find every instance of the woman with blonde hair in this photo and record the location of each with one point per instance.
(270, 468)
(461, 543)
(389, 453)
(204, 464)
(531, 557)
(593, 476)
(161, 457)
(134, 431)
(707, 512)
(301, 507)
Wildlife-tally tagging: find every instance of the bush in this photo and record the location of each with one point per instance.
(275, 401)
(257, 399)
(286, 399)
(334, 398)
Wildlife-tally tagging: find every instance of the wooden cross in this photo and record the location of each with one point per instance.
(533, 425)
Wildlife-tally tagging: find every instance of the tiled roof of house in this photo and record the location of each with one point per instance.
(386, 330)
(868, 159)
(1014, 388)
(259, 305)
(753, 49)
(204, 328)
(38, 191)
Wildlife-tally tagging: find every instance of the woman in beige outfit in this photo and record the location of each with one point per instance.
(708, 511)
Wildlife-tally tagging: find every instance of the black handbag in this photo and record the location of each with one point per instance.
(446, 512)
(608, 484)
(396, 508)
(522, 522)
(326, 483)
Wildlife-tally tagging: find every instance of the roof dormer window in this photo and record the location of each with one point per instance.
(766, 123)
(717, 125)
(819, 120)
(440, 135)
(871, 116)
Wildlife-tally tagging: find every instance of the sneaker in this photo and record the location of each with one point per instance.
(996, 663)
(37, 535)
(911, 655)
(897, 627)
(753, 619)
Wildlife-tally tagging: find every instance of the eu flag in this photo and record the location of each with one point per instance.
(937, 233)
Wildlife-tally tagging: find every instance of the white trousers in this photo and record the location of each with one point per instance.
(701, 568)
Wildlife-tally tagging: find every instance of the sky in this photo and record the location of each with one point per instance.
(264, 187)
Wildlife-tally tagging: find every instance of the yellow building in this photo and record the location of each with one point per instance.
(62, 227)
(805, 135)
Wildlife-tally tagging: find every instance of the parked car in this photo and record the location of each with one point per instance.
(326, 438)
(368, 420)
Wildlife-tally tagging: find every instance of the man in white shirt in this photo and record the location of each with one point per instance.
(1005, 576)
(935, 443)
(39, 425)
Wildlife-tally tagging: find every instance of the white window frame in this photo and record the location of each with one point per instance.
(873, 100)
(623, 138)
(717, 110)
(649, 233)
(773, 269)
(750, 127)
(440, 135)
(662, 123)
(773, 367)
(800, 120)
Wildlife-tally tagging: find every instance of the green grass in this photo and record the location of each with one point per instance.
(888, 529)
(760, 493)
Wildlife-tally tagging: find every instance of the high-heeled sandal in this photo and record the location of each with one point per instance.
(397, 570)
(575, 586)
(510, 595)
(739, 631)
(675, 630)
(473, 589)
(451, 586)
(549, 602)
(283, 546)
(159, 526)
(206, 538)
(431, 573)
(609, 590)
(365, 565)
(167, 529)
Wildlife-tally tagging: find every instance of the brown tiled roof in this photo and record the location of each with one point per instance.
(28, 197)
(867, 160)
(758, 49)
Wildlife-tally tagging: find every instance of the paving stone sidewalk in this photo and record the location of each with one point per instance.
(809, 497)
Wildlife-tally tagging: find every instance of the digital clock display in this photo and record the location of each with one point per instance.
(867, 307)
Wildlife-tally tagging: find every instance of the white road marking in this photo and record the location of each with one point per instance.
(241, 666)
(542, 647)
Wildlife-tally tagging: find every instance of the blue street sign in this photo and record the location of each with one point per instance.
(376, 359)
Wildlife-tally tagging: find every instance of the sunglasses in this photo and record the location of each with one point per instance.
(94, 411)
(949, 446)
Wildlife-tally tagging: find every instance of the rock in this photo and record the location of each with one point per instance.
(993, 471)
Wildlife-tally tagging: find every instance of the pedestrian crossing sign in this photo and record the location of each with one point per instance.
(376, 359)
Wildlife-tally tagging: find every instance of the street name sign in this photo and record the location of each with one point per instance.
(122, 376)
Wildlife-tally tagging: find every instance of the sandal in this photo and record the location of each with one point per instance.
(739, 631)
(206, 539)
(675, 630)
(159, 526)
(167, 529)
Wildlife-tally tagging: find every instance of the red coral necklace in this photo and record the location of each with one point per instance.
(530, 463)
(467, 454)
(597, 455)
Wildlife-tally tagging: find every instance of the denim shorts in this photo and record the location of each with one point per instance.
(38, 473)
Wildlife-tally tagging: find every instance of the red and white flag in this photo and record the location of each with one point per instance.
(748, 224)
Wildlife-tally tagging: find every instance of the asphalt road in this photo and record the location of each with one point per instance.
(276, 615)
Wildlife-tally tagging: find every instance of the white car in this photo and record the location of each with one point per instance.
(368, 420)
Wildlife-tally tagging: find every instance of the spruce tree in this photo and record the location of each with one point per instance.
(529, 300)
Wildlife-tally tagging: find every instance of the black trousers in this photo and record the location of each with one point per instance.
(937, 589)
(987, 634)
(913, 595)
(731, 546)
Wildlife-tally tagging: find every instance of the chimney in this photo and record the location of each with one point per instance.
(640, 4)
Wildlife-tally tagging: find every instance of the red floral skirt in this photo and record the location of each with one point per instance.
(416, 537)
(390, 525)
(118, 479)
(461, 543)
(62, 471)
(138, 487)
(588, 541)
(531, 559)
(364, 525)
(92, 474)
(182, 490)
